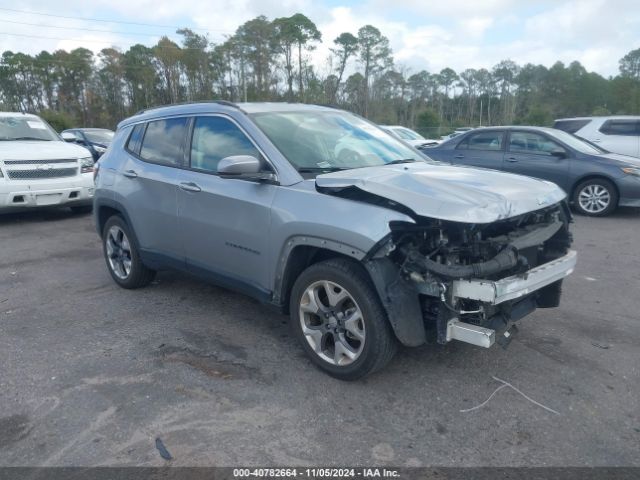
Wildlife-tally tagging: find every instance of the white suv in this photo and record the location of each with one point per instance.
(37, 168)
(619, 134)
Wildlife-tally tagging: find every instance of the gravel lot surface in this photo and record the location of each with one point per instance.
(91, 374)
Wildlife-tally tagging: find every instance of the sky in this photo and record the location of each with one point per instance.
(423, 34)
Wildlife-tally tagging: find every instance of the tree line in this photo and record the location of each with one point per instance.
(269, 60)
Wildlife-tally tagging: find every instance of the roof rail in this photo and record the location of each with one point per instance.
(220, 102)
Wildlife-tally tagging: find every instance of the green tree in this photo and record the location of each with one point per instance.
(346, 46)
(256, 42)
(375, 56)
(630, 64)
(195, 62)
(142, 82)
(168, 56)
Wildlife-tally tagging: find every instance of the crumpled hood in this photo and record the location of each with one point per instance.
(41, 150)
(458, 194)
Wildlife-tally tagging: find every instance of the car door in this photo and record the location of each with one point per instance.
(619, 136)
(147, 183)
(224, 222)
(480, 149)
(535, 154)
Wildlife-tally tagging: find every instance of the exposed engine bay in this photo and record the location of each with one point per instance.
(472, 282)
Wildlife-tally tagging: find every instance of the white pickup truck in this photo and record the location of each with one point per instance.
(39, 169)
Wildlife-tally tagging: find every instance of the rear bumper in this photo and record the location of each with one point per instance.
(511, 288)
(73, 191)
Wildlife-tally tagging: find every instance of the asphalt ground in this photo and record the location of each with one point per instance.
(91, 374)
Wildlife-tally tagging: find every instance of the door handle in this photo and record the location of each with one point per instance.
(512, 159)
(459, 156)
(190, 187)
(130, 174)
(596, 140)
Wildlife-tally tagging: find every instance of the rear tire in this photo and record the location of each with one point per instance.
(348, 335)
(121, 255)
(596, 197)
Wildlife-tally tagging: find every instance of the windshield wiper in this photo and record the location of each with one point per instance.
(28, 138)
(402, 160)
(320, 169)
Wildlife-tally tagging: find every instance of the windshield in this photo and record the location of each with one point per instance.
(25, 128)
(407, 134)
(99, 136)
(577, 143)
(325, 141)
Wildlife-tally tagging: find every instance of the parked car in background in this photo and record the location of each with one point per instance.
(38, 169)
(617, 134)
(456, 132)
(409, 136)
(96, 140)
(596, 181)
(361, 250)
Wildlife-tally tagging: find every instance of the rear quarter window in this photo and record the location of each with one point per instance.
(135, 138)
(570, 126)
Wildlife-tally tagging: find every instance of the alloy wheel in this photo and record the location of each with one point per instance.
(594, 198)
(332, 323)
(118, 252)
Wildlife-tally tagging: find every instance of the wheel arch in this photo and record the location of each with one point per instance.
(105, 209)
(593, 176)
(299, 253)
(401, 302)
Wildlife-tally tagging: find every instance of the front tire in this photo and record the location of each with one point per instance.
(338, 318)
(597, 197)
(122, 257)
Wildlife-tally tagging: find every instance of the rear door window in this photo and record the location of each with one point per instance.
(532, 143)
(621, 127)
(164, 140)
(491, 141)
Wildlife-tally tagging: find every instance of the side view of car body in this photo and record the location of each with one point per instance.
(410, 136)
(363, 251)
(595, 180)
(96, 140)
(38, 169)
(617, 134)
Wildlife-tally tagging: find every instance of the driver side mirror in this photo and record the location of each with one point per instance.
(559, 153)
(245, 167)
(68, 137)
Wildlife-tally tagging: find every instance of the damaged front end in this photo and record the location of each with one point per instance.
(471, 282)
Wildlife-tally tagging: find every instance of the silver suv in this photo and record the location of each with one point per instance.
(361, 239)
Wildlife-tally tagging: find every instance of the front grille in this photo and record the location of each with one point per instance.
(39, 162)
(38, 174)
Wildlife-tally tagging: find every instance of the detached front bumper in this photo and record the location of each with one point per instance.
(500, 291)
(511, 288)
